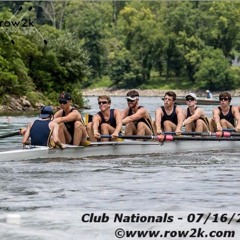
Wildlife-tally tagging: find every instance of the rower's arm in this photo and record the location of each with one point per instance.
(216, 119)
(236, 115)
(118, 117)
(27, 134)
(197, 114)
(140, 113)
(72, 116)
(158, 119)
(55, 129)
(96, 123)
(180, 117)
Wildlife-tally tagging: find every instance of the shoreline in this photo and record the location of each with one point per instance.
(21, 105)
(150, 92)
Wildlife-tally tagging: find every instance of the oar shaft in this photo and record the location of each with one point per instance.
(189, 133)
(10, 134)
(131, 136)
(187, 138)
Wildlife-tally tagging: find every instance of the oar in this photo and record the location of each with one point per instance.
(131, 136)
(187, 138)
(163, 138)
(217, 134)
(10, 134)
(228, 130)
(188, 133)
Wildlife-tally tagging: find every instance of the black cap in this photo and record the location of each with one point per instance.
(46, 112)
(65, 97)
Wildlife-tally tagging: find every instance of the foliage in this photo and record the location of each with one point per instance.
(77, 44)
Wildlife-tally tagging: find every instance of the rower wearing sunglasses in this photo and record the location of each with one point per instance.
(169, 117)
(136, 118)
(195, 118)
(106, 122)
(226, 115)
(71, 128)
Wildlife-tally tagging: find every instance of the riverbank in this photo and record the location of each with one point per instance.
(24, 105)
(19, 104)
(149, 92)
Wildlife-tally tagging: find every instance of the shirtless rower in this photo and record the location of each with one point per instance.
(169, 117)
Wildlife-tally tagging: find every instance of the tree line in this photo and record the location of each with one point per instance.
(50, 47)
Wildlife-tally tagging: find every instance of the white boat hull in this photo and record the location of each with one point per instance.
(118, 149)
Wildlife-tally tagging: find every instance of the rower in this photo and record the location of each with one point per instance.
(226, 116)
(136, 118)
(71, 126)
(169, 117)
(42, 130)
(195, 118)
(106, 122)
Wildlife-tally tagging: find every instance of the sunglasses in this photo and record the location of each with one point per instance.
(129, 100)
(190, 99)
(223, 99)
(62, 102)
(102, 102)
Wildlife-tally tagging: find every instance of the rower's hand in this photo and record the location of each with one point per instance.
(62, 146)
(22, 131)
(219, 128)
(159, 132)
(97, 135)
(115, 135)
(178, 132)
(237, 129)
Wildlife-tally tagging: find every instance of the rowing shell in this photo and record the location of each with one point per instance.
(127, 147)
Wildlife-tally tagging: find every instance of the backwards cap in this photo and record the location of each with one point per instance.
(46, 112)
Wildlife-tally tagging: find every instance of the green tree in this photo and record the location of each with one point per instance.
(212, 70)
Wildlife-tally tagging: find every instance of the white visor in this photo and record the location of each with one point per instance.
(132, 98)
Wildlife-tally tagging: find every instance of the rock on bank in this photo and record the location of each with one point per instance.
(18, 104)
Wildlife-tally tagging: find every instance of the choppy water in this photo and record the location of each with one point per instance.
(50, 196)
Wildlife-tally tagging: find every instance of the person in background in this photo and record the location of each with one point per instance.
(42, 130)
(71, 126)
(226, 116)
(209, 94)
(106, 122)
(195, 118)
(136, 118)
(169, 117)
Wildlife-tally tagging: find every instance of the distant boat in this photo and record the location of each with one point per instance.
(200, 101)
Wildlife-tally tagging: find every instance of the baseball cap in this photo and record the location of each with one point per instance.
(132, 95)
(193, 95)
(65, 97)
(46, 112)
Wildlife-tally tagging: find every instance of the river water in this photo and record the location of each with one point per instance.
(46, 199)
